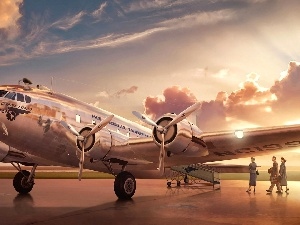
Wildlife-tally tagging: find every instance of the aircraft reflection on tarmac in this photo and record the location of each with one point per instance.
(197, 204)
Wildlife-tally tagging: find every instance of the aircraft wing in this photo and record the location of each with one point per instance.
(16, 156)
(251, 142)
(229, 168)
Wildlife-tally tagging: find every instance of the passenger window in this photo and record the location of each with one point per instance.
(20, 97)
(77, 118)
(2, 93)
(11, 95)
(27, 99)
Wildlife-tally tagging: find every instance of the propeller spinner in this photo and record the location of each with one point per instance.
(163, 129)
(83, 139)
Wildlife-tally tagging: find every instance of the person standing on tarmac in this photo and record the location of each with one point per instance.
(273, 171)
(253, 175)
(282, 174)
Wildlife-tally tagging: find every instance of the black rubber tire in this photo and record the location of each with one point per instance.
(186, 180)
(124, 185)
(20, 182)
(169, 184)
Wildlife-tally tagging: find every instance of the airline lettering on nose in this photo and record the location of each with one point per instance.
(12, 110)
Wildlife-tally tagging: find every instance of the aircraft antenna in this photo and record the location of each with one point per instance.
(51, 85)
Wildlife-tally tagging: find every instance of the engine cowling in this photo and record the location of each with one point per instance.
(96, 145)
(105, 144)
(181, 138)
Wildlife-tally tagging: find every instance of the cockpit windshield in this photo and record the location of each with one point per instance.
(16, 96)
(10, 95)
(2, 93)
(20, 97)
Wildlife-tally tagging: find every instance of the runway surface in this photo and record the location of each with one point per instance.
(67, 202)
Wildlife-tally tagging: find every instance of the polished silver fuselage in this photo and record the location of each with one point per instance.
(36, 136)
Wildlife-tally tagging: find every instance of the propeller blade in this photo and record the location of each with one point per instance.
(185, 113)
(81, 162)
(102, 124)
(162, 155)
(70, 128)
(144, 118)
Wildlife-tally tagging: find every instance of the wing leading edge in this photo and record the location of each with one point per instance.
(251, 142)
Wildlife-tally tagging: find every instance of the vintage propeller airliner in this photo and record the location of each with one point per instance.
(41, 127)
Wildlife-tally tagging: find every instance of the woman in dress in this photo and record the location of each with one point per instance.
(252, 170)
(282, 174)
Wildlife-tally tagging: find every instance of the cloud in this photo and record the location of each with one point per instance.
(287, 89)
(251, 105)
(102, 94)
(202, 18)
(142, 5)
(118, 94)
(112, 40)
(69, 21)
(9, 16)
(99, 12)
(174, 100)
(44, 47)
(124, 92)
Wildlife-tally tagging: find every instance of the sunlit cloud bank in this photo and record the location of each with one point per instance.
(43, 35)
(249, 106)
(9, 15)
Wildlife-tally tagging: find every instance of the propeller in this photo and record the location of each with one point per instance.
(163, 130)
(83, 139)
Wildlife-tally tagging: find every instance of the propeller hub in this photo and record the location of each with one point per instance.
(83, 140)
(169, 134)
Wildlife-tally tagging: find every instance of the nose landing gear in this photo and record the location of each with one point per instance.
(24, 180)
(21, 183)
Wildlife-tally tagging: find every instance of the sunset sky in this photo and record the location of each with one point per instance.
(238, 56)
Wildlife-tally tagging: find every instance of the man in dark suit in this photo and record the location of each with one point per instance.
(273, 171)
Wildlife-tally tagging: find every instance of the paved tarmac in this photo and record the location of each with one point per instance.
(67, 202)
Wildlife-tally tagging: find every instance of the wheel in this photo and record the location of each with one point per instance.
(186, 180)
(124, 185)
(178, 183)
(20, 182)
(169, 184)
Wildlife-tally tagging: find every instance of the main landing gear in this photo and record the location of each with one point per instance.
(24, 180)
(125, 184)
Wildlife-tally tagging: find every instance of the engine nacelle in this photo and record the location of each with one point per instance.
(181, 138)
(96, 145)
(106, 144)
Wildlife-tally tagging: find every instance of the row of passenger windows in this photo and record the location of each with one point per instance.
(15, 96)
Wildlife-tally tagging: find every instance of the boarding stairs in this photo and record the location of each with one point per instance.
(194, 173)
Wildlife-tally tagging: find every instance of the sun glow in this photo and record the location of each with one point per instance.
(239, 133)
(292, 122)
